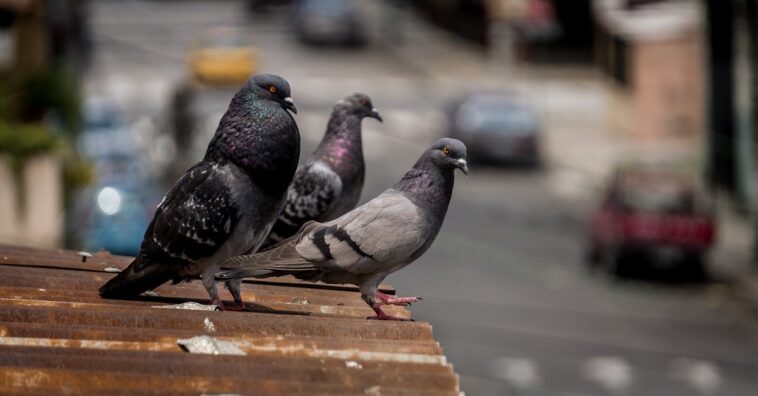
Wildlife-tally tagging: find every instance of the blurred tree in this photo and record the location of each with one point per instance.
(43, 94)
(20, 141)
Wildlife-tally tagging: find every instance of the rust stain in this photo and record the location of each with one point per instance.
(90, 344)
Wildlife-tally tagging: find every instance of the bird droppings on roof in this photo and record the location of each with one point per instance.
(210, 346)
(58, 336)
(353, 364)
(190, 305)
(298, 300)
(209, 325)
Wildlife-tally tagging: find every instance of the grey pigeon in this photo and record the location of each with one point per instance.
(329, 183)
(372, 241)
(226, 204)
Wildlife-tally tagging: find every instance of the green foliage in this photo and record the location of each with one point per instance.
(41, 93)
(27, 130)
(21, 141)
(77, 171)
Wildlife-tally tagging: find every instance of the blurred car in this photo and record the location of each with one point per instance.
(652, 219)
(108, 141)
(329, 22)
(113, 216)
(113, 213)
(223, 56)
(105, 133)
(496, 127)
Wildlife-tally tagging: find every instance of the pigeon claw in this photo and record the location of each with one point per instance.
(224, 307)
(380, 315)
(385, 299)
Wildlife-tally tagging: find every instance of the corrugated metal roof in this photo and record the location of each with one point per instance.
(57, 336)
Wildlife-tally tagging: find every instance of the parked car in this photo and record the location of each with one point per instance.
(223, 56)
(106, 133)
(329, 22)
(113, 216)
(496, 127)
(114, 211)
(652, 219)
(110, 143)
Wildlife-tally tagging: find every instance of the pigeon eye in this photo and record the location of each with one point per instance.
(446, 150)
(272, 89)
(364, 102)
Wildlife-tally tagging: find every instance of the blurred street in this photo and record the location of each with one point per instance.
(505, 284)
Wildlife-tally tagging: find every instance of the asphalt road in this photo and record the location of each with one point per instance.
(504, 285)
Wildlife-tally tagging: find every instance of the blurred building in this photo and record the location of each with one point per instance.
(653, 51)
(22, 36)
(39, 45)
(36, 34)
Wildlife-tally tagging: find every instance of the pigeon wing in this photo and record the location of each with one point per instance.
(389, 229)
(313, 193)
(194, 219)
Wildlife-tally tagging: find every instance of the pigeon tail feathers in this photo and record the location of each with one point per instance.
(131, 282)
(281, 259)
(243, 273)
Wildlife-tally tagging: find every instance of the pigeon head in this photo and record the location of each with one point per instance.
(359, 105)
(448, 153)
(431, 179)
(272, 87)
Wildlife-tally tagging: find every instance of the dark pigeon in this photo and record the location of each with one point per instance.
(227, 203)
(329, 183)
(372, 241)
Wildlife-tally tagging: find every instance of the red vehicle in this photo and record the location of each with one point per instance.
(652, 218)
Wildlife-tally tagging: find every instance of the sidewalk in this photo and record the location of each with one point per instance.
(733, 256)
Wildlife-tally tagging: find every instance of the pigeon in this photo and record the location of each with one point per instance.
(365, 245)
(329, 183)
(226, 204)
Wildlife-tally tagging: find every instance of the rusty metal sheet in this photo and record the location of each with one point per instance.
(401, 375)
(276, 344)
(104, 261)
(38, 284)
(57, 336)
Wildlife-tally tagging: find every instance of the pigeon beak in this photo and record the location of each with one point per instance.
(289, 104)
(375, 114)
(462, 165)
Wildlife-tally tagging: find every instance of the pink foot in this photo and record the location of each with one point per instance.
(380, 315)
(223, 307)
(389, 300)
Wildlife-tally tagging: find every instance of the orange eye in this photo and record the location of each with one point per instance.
(446, 150)
(272, 89)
